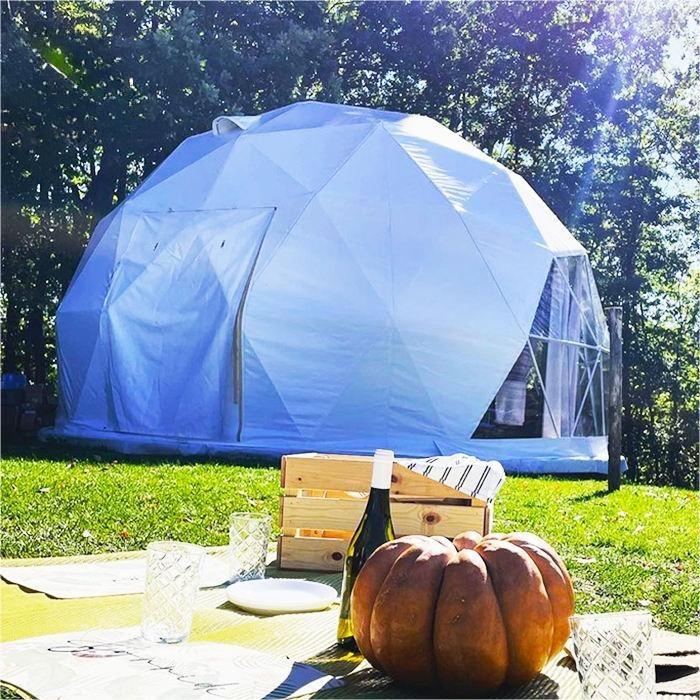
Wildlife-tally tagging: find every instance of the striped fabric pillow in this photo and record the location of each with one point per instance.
(468, 475)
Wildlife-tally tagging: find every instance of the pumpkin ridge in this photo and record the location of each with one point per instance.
(454, 649)
(366, 590)
(519, 654)
(443, 542)
(497, 593)
(386, 667)
(520, 538)
(436, 676)
(387, 650)
(561, 621)
(546, 592)
(411, 541)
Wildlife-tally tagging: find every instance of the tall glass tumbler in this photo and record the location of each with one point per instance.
(614, 655)
(172, 582)
(249, 536)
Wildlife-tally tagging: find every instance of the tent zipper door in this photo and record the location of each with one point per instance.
(238, 340)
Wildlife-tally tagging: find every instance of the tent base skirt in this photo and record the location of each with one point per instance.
(576, 455)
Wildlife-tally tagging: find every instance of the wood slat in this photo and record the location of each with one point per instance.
(488, 520)
(311, 553)
(353, 473)
(408, 518)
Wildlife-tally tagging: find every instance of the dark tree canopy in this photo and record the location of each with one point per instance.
(591, 102)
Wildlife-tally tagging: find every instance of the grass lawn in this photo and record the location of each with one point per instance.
(637, 548)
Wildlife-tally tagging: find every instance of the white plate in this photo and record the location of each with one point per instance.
(272, 596)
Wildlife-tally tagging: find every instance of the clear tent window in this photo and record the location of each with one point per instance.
(557, 385)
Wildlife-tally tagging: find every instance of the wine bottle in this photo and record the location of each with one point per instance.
(375, 529)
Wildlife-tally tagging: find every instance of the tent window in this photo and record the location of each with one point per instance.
(556, 387)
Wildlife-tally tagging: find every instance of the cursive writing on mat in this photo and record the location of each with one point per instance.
(136, 651)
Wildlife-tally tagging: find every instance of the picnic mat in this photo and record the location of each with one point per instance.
(119, 663)
(96, 578)
(307, 637)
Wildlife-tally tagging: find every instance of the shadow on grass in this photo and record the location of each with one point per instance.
(594, 496)
(58, 452)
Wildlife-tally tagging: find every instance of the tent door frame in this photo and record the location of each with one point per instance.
(238, 334)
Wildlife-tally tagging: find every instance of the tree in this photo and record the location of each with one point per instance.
(95, 95)
(580, 98)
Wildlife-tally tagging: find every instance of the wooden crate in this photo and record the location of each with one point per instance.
(325, 495)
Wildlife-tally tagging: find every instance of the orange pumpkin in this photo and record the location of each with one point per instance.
(462, 617)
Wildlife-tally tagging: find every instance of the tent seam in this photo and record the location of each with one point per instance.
(141, 191)
(464, 225)
(312, 197)
(277, 393)
(277, 165)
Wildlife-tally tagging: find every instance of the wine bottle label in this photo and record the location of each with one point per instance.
(381, 469)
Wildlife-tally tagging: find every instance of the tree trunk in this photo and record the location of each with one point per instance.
(37, 343)
(615, 398)
(99, 198)
(10, 335)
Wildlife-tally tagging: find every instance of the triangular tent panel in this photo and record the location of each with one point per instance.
(334, 278)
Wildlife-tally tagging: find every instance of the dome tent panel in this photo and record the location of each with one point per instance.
(78, 317)
(590, 417)
(596, 312)
(89, 285)
(270, 185)
(576, 272)
(390, 298)
(378, 284)
(555, 236)
(311, 156)
(575, 347)
(330, 311)
(314, 115)
(478, 188)
(188, 188)
(276, 423)
(143, 238)
(186, 154)
(170, 327)
(77, 333)
(103, 225)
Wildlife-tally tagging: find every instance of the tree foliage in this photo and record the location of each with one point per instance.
(592, 102)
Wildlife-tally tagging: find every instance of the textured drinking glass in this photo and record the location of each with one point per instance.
(172, 582)
(249, 535)
(614, 655)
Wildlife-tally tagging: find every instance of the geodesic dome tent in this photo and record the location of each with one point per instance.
(333, 278)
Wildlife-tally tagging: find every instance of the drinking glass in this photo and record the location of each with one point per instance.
(614, 655)
(172, 582)
(249, 535)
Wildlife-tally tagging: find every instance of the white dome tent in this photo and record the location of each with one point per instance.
(334, 278)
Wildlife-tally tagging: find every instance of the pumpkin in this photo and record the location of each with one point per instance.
(462, 617)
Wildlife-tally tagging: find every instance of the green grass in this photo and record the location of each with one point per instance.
(637, 548)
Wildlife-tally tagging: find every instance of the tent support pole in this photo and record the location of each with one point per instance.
(614, 314)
